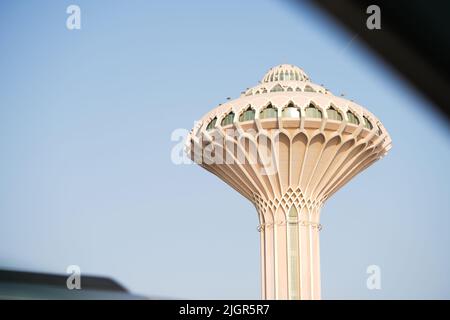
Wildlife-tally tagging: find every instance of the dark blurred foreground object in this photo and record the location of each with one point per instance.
(29, 285)
(414, 38)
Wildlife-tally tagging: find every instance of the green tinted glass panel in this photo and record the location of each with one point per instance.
(277, 88)
(312, 112)
(293, 254)
(367, 123)
(334, 114)
(247, 115)
(352, 118)
(268, 112)
(212, 124)
(290, 112)
(379, 131)
(228, 119)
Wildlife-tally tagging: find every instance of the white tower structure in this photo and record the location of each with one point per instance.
(287, 145)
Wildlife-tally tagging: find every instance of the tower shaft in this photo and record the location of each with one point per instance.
(290, 256)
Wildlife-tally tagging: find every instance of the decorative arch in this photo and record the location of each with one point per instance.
(277, 88)
(228, 119)
(367, 123)
(334, 114)
(309, 89)
(268, 112)
(311, 111)
(247, 115)
(352, 118)
(212, 124)
(290, 111)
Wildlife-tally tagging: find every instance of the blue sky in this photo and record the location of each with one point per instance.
(86, 118)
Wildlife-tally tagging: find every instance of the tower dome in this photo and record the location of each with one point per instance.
(285, 72)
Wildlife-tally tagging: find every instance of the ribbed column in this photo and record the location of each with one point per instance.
(290, 256)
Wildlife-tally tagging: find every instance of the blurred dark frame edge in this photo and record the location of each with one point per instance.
(414, 39)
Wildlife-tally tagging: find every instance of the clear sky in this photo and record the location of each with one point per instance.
(86, 176)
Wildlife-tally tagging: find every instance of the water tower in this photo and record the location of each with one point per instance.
(287, 145)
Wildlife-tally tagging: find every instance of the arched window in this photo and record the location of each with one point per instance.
(281, 75)
(247, 115)
(268, 112)
(289, 89)
(277, 88)
(379, 130)
(367, 123)
(309, 89)
(296, 76)
(271, 77)
(257, 92)
(275, 78)
(292, 76)
(228, 119)
(333, 114)
(293, 253)
(312, 112)
(352, 118)
(264, 90)
(212, 124)
(298, 89)
(290, 112)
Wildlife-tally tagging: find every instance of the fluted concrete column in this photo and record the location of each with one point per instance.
(290, 256)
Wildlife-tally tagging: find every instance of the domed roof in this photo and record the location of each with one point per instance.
(285, 72)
